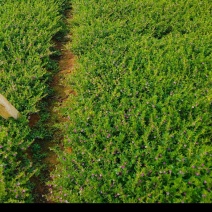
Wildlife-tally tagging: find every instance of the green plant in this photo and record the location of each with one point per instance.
(139, 125)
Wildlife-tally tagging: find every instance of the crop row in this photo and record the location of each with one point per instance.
(140, 124)
(26, 31)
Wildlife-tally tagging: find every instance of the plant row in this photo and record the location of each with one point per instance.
(140, 122)
(26, 32)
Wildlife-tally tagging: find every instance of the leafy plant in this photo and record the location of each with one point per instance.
(139, 126)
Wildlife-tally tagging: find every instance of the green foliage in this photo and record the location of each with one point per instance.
(26, 32)
(140, 124)
(2, 184)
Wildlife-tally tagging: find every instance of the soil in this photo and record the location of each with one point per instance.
(59, 84)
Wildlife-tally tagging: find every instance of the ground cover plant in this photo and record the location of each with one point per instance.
(26, 31)
(140, 122)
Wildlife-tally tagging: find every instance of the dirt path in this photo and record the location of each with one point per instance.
(61, 90)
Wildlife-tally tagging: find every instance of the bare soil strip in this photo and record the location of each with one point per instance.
(61, 90)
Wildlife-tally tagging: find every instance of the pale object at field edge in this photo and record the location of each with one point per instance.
(6, 109)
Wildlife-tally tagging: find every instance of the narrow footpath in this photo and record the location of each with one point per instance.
(61, 89)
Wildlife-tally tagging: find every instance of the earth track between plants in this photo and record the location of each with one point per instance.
(61, 91)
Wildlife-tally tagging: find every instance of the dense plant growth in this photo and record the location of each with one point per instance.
(26, 31)
(140, 124)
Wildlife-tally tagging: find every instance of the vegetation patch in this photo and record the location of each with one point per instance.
(140, 122)
(26, 32)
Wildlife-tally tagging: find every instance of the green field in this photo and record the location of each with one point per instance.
(140, 123)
